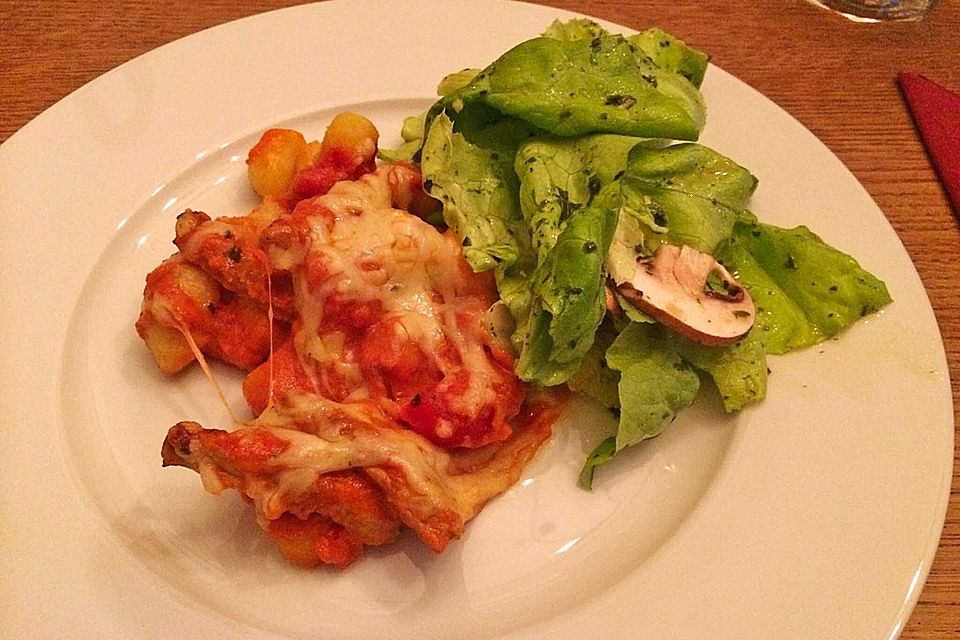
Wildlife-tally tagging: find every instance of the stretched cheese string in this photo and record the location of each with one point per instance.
(206, 370)
(270, 320)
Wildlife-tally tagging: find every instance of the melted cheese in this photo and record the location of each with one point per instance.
(422, 464)
(372, 251)
(360, 249)
(331, 437)
(160, 307)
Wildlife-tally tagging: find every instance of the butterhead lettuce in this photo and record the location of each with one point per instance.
(556, 167)
(578, 87)
(805, 290)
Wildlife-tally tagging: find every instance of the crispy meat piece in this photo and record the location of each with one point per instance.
(351, 467)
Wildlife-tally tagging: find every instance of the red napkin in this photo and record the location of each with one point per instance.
(936, 112)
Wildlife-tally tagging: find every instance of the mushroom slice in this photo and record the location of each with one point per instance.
(691, 293)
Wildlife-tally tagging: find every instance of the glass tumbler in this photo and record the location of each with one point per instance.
(878, 10)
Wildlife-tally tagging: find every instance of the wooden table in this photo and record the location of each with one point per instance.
(835, 76)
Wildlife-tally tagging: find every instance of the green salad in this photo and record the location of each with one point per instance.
(569, 168)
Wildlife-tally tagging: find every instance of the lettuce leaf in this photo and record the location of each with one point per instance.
(475, 181)
(805, 290)
(559, 176)
(568, 290)
(455, 81)
(672, 54)
(471, 172)
(739, 370)
(655, 382)
(664, 50)
(685, 194)
(575, 29)
(601, 454)
(780, 324)
(578, 86)
(411, 132)
(594, 378)
(570, 201)
(681, 194)
(660, 381)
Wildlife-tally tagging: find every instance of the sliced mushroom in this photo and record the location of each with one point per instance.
(693, 294)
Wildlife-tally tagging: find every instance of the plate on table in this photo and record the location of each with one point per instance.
(814, 514)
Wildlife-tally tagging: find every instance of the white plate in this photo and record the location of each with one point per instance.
(814, 515)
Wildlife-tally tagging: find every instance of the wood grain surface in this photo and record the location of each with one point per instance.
(836, 77)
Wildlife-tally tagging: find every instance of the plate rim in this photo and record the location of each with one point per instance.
(16, 140)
